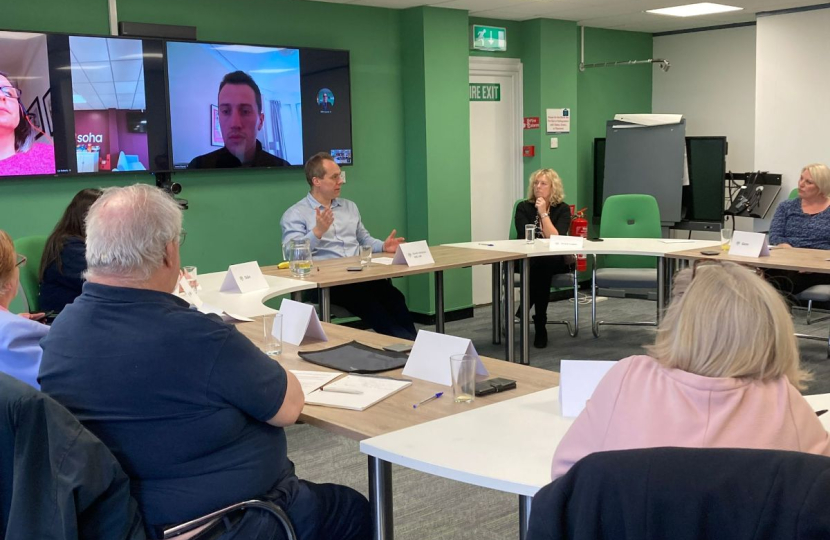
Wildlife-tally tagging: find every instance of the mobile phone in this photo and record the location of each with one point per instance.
(712, 253)
(398, 347)
(354, 268)
(492, 386)
(595, 239)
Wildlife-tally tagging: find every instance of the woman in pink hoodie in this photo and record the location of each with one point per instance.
(723, 373)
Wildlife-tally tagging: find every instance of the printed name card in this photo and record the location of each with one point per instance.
(244, 278)
(186, 292)
(300, 321)
(565, 241)
(413, 254)
(430, 357)
(577, 381)
(749, 244)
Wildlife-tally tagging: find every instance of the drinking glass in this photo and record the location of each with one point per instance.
(725, 238)
(272, 334)
(190, 274)
(530, 233)
(365, 255)
(463, 367)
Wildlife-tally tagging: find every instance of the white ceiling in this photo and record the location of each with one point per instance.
(616, 14)
(107, 73)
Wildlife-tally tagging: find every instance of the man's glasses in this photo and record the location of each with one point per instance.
(10, 92)
(21, 260)
(182, 237)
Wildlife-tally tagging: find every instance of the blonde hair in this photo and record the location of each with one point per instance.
(729, 323)
(557, 192)
(7, 258)
(820, 175)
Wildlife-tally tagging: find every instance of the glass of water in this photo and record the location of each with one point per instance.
(463, 367)
(725, 238)
(530, 233)
(190, 274)
(365, 255)
(272, 334)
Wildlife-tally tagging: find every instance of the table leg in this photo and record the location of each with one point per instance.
(297, 296)
(509, 311)
(524, 287)
(665, 272)
(380, 498)
(325, 304)
(439, 302)
(524, 515)
(496, 285)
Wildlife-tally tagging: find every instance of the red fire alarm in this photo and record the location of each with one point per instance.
(528, 151)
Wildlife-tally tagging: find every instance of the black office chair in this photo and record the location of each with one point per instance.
(60, 482)
(687, 494)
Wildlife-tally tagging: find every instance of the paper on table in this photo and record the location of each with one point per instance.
(676, 241)
(383, 260)
(224, 315)
(577, 381)
(373, 390)
(312, 380)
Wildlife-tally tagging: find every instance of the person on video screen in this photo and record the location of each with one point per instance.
(240, 119)
(19, 155)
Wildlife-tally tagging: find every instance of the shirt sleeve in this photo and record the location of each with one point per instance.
(363, 236)
(561, 218)
(587, 434)
(295, 226)
(779, 224)
(247, 378)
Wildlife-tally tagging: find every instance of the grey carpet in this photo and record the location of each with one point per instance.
(427, 507)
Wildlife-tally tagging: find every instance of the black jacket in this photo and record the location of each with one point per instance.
(687, 494)
(57, 480)
(223, 159)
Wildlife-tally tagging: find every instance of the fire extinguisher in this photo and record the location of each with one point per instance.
(579, 227)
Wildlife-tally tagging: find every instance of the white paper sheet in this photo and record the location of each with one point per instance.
(312, 380)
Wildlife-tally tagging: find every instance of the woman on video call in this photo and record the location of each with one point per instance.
(19, 155)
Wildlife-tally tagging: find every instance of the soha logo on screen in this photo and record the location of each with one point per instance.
(90, 138)
(325, 100)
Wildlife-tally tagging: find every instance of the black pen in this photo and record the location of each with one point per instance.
(819, 413)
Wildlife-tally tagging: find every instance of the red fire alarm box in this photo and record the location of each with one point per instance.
(528, 151)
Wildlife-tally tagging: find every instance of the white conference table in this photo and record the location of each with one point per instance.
(650, 247)
(247, 304)
(507, 446)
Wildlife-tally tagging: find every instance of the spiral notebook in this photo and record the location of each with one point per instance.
(372, 388)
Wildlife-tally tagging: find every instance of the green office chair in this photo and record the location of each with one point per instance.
(30, 247)
(793, 194)
(626, 216)
(559, 281)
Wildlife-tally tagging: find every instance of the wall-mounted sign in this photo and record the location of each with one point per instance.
(488, 38)
(531, 122)
(559, 120)
(485, 92)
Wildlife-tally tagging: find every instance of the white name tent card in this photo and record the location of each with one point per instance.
(566, 241)
(577, 381)
(187, 293)
(300, 321)
(383, 260)
(413, 254)
(429, 359)
(749, 244)
(244, 278)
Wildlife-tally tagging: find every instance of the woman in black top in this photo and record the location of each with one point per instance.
(64, 257)
(545, 208)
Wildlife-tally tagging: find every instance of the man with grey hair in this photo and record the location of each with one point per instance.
(191, 408)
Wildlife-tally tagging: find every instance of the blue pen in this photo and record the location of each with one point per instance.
(427, 400)
(481, 244)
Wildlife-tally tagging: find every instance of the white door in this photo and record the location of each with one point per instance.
(495, 159)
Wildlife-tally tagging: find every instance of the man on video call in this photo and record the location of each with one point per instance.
(334, 229)
(240, 119)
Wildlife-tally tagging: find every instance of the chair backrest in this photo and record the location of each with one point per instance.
(687, 494)
(630, 216)
(57, 480)
(32, 248)
(514, 234)
(793, 194)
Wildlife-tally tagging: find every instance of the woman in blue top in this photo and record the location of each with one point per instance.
(20, 335)
(803, 222)
(64, 257)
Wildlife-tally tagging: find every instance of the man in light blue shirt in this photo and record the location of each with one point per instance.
(334, 229)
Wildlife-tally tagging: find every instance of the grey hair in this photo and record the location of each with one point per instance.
(127, 230)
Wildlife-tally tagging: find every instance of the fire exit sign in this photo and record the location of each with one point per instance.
(485, 92)
(488, 38)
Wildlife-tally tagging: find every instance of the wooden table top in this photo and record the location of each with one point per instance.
(810, 260)
(396, 411)
(332, 272)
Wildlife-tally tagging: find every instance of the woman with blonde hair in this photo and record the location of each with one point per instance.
(546, 210)
(20, 350)
(723, 373)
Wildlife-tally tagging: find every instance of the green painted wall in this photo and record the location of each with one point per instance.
(437, 126)
(604, 92)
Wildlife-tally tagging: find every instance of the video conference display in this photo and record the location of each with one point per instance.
(101, 105)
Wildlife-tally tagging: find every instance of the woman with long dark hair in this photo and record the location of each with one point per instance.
(64, 257)
(19, 155)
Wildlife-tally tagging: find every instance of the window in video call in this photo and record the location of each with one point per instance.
(254, 106)
(75, 104)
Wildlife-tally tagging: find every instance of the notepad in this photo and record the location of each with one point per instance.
(374, 389)
(312, 380)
